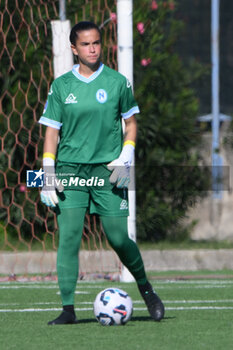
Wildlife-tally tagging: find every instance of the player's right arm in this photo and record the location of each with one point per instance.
(48, 193)
(52, 119)
(51, 140)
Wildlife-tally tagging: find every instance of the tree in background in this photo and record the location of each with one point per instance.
(168, 177)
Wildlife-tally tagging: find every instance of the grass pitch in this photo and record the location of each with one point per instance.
(198, 316)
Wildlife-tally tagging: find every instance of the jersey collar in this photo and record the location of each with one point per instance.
(75, 71)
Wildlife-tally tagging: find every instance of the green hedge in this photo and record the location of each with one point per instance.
(168, 177)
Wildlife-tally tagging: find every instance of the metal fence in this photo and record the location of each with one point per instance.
(26, 75)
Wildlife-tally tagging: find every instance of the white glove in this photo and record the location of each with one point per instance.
(48, 194)
(120, 167)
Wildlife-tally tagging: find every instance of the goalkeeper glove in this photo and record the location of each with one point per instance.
(120, 167)
(48, 194)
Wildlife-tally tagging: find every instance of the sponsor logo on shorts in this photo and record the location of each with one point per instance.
(124, 204)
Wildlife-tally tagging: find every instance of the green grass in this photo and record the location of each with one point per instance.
(198, 316)
(187, 244)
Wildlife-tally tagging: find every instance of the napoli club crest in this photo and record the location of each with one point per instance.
(101, 96)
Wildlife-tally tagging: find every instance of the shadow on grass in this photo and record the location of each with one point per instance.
(87, 320)
(148, 318)
(133, 319)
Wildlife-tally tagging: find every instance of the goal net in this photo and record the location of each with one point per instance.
(28, 229)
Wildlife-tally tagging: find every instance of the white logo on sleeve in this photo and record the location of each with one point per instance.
(71, 99)
(128, 83)
(50, 91)
(101, 96)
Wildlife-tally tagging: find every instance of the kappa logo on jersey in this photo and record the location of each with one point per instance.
(101, 96)
(71, 99)
(124, 205)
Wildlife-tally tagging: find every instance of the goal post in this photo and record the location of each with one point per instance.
(125, 67)
(62, 53)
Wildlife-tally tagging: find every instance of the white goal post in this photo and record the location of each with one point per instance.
(125, 67)
(62, 53)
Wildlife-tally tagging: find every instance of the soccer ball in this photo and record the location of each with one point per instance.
(113, 306)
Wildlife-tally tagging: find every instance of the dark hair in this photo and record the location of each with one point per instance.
(79, 27)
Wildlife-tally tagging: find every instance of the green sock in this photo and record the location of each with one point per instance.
(70, 223)
(116, 231)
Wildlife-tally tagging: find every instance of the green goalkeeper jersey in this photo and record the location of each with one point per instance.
(88, 113)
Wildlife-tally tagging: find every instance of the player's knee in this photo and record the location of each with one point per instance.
(119, 243)
(69, 242)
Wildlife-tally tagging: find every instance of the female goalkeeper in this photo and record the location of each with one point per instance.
(84, 113)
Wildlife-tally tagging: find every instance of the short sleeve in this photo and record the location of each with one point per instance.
(52, 114)
(128, 105)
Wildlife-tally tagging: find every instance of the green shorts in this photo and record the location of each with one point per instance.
(90, 188)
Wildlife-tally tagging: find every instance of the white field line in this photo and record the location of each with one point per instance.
(28, 287)
(193, 287)
(44, 286)
(192, 301)
(76, 292)
(134, 302)
(173, 308)
(194, 282)
(39, 287)
(85, 284)
(122, 287)
(41, 310)
(181, 308)
(94, 285)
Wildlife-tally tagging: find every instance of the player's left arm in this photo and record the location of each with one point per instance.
(130, 129)
(121, 166)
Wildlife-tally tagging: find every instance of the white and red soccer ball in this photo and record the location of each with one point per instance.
(113, 306)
